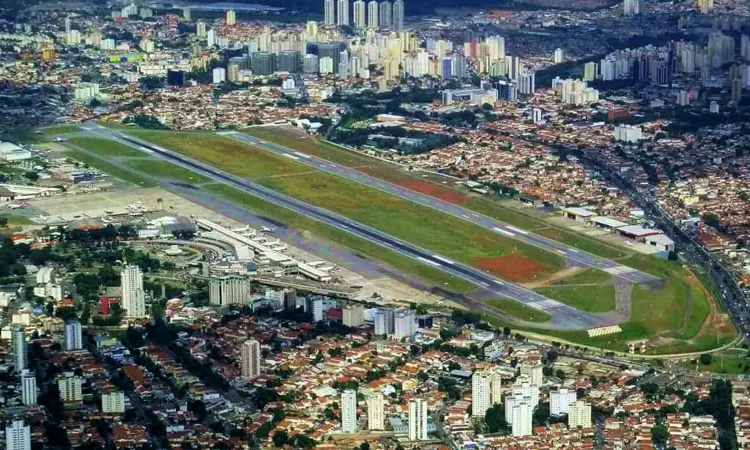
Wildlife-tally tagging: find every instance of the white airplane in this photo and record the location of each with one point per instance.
(266, 229)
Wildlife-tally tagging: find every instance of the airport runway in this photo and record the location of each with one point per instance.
(574, 256)
(564, 316)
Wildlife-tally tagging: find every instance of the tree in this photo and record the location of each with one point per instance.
(494, 419)
(706, 359)
(364, 446)
(280, 439)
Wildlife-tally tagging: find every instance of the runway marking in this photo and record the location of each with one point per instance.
(500, 230)
(562, 252)
(573, 250)
(484, 284)
(301, 155)
(432, 263)
(517, 230)
(447, 261)
(290, 156)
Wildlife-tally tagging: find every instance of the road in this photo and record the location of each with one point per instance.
(564, 317)
(574, 256)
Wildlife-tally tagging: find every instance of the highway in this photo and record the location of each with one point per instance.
(574, 256)
(563, 316)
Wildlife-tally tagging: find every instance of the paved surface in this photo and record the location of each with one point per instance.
(564, 316)
(574, 256)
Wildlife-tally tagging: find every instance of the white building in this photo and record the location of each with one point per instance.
(360, 14)
(534, 373)
(17, 435)
(521, 414)
(486, 390)
(375, 416)
(627, 133)
(417, 419)
(231, 17)
(330, 12)
(19, 350)
(85, 92)
(559, 56)
(342, 12)
(372, 14)
(405, 324)
(349, 411)
(133, 296)
(631, 7)
(229, 290)
(353, 315)
(250, 359)
(114, 402)
(579, 415)
(28, 388)
(525, 388)
(70, 387)
(73, 335)
(398, 15)
(384, 321)
(560, 401)
(219, 75)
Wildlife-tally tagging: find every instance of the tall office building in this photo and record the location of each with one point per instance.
(349, 411)
(385, 14)
(228, 289)
(375, 416)
(17, 435)
(417, 419)
(70, 387)
(250, 359)
(342, 12)
(631, 7)
(360, 14)
(398, 15)
(28, 387)
(329, 7)
(133, 296)
(560, 401)
(73, 335)
(559, 56)
(231, 17)
(373, 13)
(485, 391)
(114, 402)
(19, 350)
(579, 415)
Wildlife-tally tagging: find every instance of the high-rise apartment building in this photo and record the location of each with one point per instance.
(398, 15)
(200, 29)
(19, 350)
(559, 56)
(373, 14)
(250, 359)
(384, 321)
(349, 411)
(534, 372)
(329, 7)
(375, 416)
(631, 7)
(342, 12)
(705, 6)
(28, 387)
(360, 14)
(113, 402)
(70, 387)
(417, 419)
(385, 14)
(521, 418)
(228, 289)
(231, 17)
(73, 335)
(133, 296)
(560, 401)
(17, 435)
(219, 76)
(579, 415)
(485, 391)
(353, 315)
(404, 324)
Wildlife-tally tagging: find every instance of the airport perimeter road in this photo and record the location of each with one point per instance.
(574, 256)
(564, 316)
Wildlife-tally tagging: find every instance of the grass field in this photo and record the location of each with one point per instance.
(105, 147)
(518, 310)
(164, 169)
(109, 168)
(586, 276)
(56, 130)
(423, 226)
(729, 362)
(595, 298)
(396, 174)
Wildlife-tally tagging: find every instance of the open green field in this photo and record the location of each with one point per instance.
(158, 168)
(57, 130)
(423, 226)
(518, 310)
(394, 173)
(110, 169)
(728, 362)
(594, 298)
(586, 276)
(105, 147)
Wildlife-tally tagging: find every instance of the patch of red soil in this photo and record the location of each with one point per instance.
(434, 190)
(513, 267)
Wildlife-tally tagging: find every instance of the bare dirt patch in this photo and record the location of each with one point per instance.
(513, 267)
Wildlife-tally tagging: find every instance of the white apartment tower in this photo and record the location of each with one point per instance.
(28, 388)
(231, 17)
(342, 12)
(398, 15)
(386, 14)
(417, 419)
(200, 29)
(330, 12)
(19, 350)
(559, 56)
(375, 417)
(349, 411)
(229, 290)
(560, 401)
(17, 435)
(353, 315)
(372, 14)
(73, 335)
(534, 372)
(114, 402)
(579, 415)
(521, 418)
(250, 358)
(360, 14)
(631, 7)
(70, 387)
(485, 392)
(404, 324)
(133, 296)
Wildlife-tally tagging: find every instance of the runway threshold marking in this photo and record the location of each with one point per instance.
(500, 230)
(432, 263)
(447, 261)
(517, 230)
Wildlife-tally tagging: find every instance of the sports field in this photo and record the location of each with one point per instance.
(420, 225)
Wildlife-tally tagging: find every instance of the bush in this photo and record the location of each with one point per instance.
(706, 359)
